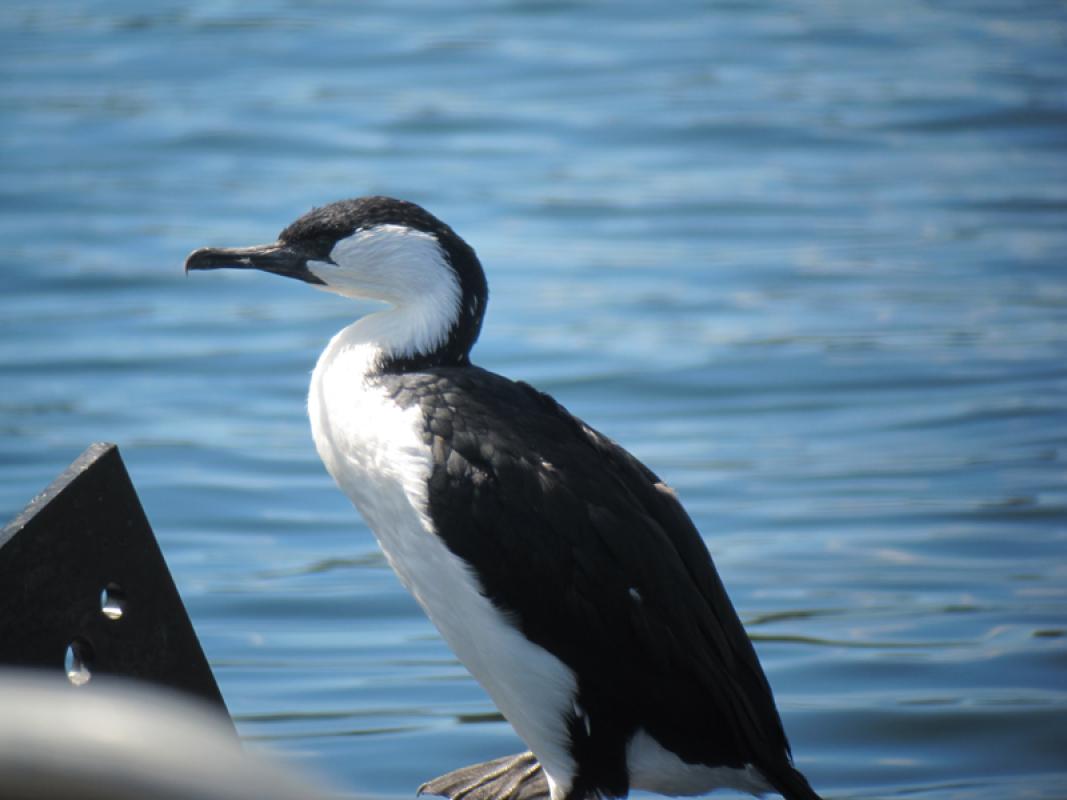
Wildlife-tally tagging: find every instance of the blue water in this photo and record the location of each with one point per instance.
(807, 260)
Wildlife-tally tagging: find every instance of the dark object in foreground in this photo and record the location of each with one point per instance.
(84, 580)
(517, 777)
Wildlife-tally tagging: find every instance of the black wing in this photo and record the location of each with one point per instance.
(598, 563)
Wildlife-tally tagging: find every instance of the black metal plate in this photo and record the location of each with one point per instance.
(82, 545)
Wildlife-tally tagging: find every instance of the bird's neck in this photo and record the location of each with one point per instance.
(414, 335)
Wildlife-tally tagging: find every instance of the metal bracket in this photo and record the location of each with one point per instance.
(83, 586)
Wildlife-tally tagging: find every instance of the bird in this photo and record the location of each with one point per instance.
(564, 573)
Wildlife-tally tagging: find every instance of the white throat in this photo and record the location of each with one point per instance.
(408, 270)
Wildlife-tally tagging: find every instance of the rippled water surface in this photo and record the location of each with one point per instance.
(805, 259)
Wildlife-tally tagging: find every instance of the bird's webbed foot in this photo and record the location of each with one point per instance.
(517, 777)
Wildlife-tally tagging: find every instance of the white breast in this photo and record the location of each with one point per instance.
(374, 450)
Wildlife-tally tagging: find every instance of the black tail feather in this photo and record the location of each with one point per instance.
(792, 785)
(518, 777)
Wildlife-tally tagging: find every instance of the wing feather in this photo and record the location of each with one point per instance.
(543, 506)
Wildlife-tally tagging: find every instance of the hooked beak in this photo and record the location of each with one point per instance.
(278, 257)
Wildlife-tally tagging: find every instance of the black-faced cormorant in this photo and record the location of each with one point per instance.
(562, 571)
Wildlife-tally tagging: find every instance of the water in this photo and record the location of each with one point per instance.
(805, 259)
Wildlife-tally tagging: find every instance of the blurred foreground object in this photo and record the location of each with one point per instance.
(119, 740)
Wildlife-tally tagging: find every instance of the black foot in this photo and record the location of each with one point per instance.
(509, 778)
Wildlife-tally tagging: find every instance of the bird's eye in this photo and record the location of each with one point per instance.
(319, 249)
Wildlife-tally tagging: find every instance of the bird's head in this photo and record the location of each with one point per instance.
(383, 249)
